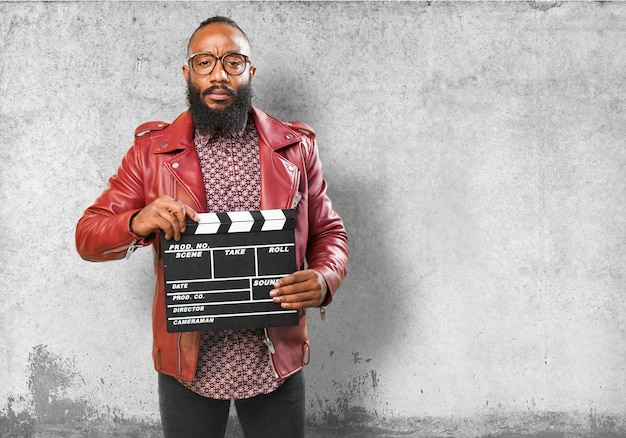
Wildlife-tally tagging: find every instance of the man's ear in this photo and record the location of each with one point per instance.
(252, 71)
(186, 72)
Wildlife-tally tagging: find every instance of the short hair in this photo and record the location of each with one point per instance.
(218, 19)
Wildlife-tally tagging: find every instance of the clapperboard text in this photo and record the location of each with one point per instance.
(220, 273)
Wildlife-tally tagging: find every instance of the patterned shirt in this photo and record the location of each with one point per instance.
(232, 364)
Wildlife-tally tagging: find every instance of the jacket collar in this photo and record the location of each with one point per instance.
(273, 132)
(179, 135)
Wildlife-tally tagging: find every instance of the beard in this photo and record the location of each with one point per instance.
(228, 120)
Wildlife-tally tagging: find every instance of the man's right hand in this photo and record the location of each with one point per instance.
(166, 214)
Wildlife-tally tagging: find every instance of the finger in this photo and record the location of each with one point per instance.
(297, 306)
(285, 281)
(180, 216)
(181, 211)
(184, 211)
(292, 289)
(192, 214)
(166, 227)
(300, 301)
(299, 297)
(170, 224)
(296, 277)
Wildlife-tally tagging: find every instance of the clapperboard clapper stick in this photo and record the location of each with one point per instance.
(220, 273)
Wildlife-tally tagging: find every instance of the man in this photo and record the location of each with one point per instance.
(224, 155)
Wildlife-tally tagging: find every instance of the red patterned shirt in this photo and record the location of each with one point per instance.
(232, 364)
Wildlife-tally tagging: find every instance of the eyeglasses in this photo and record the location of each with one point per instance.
(203, 63)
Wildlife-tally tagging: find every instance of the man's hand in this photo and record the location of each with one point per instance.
(299, 290)
(166, 214)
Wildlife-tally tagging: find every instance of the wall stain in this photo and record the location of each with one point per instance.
(15, 425)
(374, 379)
(544, 5)
(347, 407)
(54, 413)
(51, 376)
(52, 410)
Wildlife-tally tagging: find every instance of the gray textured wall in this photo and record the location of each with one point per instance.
(475, 151)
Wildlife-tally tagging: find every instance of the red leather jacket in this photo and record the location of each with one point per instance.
(163, 161)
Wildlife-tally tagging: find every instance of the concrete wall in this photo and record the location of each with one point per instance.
(476, 152)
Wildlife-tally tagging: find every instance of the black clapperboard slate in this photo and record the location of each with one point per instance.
(219, 275)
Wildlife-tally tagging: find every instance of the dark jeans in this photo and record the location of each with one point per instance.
(279, 414)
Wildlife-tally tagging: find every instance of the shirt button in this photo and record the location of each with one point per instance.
(288, 136)
(291, 168)
(164, 144)
(175, 165)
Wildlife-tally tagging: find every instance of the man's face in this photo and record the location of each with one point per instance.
(218, 89)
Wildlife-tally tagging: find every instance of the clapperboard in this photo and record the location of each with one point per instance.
(219, 275)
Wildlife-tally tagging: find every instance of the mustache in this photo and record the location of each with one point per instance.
(219, 87)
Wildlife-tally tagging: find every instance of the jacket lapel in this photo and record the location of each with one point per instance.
(186, 182)
(279, 176)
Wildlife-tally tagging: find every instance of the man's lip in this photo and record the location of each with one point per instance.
(218, 94)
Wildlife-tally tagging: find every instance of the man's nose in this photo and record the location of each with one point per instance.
(218, 74)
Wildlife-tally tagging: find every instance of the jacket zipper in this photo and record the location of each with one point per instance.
(130, 249)
(267, 341)
(297, 196)
(180, 362)
(271, 350)
(294, 204)
(180, 335)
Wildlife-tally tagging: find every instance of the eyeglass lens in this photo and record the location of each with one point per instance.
(204, 63)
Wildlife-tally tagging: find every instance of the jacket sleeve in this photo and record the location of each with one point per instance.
(327, 249)
(103, 232)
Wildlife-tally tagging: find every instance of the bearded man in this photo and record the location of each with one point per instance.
(224, 155)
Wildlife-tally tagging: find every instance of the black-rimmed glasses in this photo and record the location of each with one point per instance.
(203, 63)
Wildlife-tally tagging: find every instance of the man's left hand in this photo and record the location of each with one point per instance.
(300, 290)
